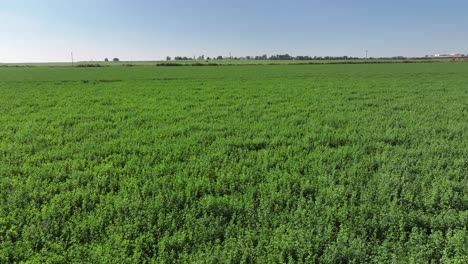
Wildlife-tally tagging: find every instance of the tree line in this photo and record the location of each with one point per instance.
(263, 57)
(286, 57)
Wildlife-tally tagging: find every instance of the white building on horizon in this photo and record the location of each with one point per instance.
(451, 55)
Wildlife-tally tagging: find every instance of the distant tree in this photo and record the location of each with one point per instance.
(219, 57)
(182, 58)
(116, 59)
(280, 57)
(106, 59)
(168, 58)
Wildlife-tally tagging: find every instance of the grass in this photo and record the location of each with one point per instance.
(261, 164)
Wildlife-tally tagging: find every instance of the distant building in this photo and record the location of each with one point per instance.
(452, 55)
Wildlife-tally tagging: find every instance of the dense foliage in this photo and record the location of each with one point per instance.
(251, 164)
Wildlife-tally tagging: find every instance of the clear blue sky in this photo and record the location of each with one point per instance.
(47, 30)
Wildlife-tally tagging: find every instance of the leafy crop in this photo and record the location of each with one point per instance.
(252, 164)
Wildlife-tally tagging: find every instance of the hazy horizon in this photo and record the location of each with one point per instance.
(49, 30)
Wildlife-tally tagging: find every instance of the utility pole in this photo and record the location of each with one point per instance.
(72, 57)
(366, 54)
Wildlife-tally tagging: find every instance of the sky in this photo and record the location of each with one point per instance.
(49, 30)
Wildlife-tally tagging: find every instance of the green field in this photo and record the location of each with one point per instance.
(241, 164)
